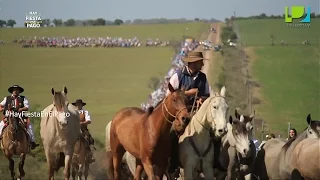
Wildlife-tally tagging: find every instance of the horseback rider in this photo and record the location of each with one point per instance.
(85, 119)
(196, 87)
(21, 103)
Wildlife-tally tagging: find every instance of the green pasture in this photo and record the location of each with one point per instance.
(288, 75)
(257, 32)
(108, 79)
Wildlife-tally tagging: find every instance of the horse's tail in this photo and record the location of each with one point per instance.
(107, 139)
(59, 162)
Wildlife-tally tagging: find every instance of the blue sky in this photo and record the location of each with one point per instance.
(145, 9)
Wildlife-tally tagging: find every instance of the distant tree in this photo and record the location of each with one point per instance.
(263, 16)
(100, 22)
(2, 23)
(46, 22)
(196, 19)
(70, 22)
(128, 22)
(118, 22)
(11, 23)
(318, 16)
(57, 22)
(313, 15)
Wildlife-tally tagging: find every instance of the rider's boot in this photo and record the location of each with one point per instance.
(32, 139)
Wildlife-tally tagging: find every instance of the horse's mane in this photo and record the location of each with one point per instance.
(59, 100)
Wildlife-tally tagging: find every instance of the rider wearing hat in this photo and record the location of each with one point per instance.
(85, 119)
(20, 103)
(196, 87)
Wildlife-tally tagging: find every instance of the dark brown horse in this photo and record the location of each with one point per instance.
(15, 142)
(80, 164)
(145, 135)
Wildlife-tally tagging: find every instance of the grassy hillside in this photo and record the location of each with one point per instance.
(108, 79)
(288, 75)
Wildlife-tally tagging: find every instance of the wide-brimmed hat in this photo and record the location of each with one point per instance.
(193, 57)
(79, 101)
(10, 89)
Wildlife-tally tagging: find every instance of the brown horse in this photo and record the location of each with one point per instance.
(15, 142)
(80, 162)
(145, 135)
(274, 159)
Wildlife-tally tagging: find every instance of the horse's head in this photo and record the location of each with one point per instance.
(13, 118)
(313, 130)
(248, 121)
(175, 105)
(238, 136)
(61, 103)
(218, 109)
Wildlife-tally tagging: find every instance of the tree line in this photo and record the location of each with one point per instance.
(104, 22)
(265, 16)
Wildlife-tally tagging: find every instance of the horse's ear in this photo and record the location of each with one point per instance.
(309, 119)
(230, 119)
(241, 118)
(65, 90)
(223, 91)
(52, 91)
(171, 89)
(237, 114)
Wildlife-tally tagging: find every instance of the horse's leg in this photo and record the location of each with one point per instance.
(208, 170)
(138, 171)
(67, 162)
(50, 163)
(117, 159)
(11, 166)
(188, 169)
(74, 170)
(21, 164)
(80, 170)
(147, 165)
(86, 171)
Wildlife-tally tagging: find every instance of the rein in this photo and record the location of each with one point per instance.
(166, 109)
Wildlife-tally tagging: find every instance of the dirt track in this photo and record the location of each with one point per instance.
(215, 38)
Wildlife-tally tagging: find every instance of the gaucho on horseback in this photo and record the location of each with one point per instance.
(85, 119)
(20, 103)
(197, 90)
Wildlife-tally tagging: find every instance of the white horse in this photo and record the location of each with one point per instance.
(195, 144)
(59, 130)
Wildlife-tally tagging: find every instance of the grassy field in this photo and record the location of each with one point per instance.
(108, 79)
(288, 75)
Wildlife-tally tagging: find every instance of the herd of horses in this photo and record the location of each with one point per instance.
(211, 146)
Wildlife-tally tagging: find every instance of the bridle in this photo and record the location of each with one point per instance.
(167, 110)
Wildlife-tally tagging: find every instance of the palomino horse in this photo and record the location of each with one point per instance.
(246, 163)
(235, 144)
(80, 162)
(274, 158)
(195, 144)
(145, 135)
(59, 130)
(15, 142)
(305, 158)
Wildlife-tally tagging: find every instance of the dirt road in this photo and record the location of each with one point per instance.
(215, 38)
